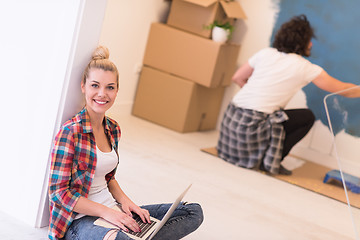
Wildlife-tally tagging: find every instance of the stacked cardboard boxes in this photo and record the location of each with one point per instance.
(185, 73)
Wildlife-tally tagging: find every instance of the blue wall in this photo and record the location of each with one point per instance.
(336, 49)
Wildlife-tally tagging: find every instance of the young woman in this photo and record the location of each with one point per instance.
(84, 158)
(256, 131)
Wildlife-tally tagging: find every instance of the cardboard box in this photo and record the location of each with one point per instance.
(189, 56)
(194, 15)
(176, 103)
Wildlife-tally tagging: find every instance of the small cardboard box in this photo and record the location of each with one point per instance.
(194, 15)
(176, 103)
(189, 56)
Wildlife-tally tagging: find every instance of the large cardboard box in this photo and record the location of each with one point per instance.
(189, 56)
(176, 103)
(194, 15)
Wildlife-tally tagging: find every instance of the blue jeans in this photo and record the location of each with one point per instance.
(185, 219)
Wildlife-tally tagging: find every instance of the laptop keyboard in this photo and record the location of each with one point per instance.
(145, 227)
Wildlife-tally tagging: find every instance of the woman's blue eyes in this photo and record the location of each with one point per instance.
(96, 86)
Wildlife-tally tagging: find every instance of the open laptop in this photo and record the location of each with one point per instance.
(148, 230)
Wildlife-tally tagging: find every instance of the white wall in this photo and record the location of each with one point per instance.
(125, 32)
(44, 44)
(35, 44)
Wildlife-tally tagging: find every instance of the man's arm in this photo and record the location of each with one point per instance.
(242, 74)
(327, 83)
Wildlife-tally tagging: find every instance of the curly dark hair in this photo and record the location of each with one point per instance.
(294, 36)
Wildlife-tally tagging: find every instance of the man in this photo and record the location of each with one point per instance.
(256, 131)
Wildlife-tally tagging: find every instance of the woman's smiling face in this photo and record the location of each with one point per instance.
(100, 90)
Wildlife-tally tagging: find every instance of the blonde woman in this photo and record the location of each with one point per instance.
(82, 184)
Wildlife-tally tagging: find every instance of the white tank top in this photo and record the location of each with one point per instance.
(99, 192)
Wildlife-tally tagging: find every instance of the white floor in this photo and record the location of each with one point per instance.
(157, 163)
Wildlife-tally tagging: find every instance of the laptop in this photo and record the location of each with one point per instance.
(148, 230)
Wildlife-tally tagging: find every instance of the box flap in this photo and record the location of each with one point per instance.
(233, 9)
(203, 3)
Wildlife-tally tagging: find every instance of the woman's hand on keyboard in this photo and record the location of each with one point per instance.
(122, 220)
(128, 206)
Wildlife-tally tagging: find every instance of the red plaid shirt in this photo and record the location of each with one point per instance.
(73, 163)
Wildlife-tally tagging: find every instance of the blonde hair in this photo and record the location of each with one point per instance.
(100, 60)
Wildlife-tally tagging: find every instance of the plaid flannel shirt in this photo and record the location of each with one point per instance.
(249, 138)
(73, 163)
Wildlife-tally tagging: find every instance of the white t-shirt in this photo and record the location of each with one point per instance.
(277, 76)
(99, 192)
